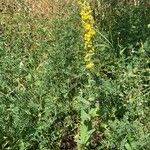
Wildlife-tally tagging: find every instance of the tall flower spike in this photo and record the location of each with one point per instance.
(89, 32)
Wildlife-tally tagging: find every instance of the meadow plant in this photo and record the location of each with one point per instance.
(86, 129)
(89, 32)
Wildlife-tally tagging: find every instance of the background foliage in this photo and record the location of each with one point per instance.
(43, 80)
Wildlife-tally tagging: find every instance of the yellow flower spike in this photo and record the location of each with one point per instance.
(89, 32)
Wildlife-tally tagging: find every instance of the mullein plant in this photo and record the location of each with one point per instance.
(87, 113)
(89, 33)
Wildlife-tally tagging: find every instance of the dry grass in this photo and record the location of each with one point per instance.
(39, 8)
(48, 8)
(58, 8)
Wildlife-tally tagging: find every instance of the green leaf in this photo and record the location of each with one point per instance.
(128, 147)
(21, 145)
(84, 136)
(94, 112)
(85, 115)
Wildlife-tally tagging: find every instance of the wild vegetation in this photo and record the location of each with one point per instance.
(74, 75)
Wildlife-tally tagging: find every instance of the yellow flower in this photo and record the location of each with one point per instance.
(90, 65)
(89, 32)
(88, 57)
(87, 27)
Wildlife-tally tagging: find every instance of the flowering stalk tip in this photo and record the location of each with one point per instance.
(89, 32)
